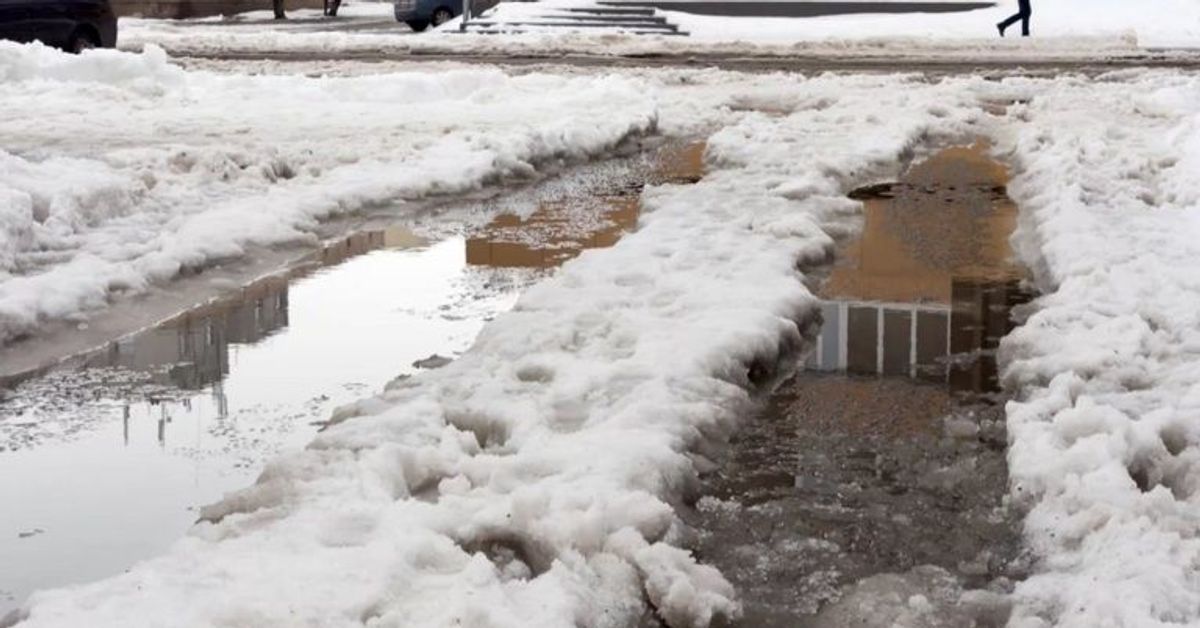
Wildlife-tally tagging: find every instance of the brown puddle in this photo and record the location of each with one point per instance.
(925, 291)
(878, 472)
(562, 228)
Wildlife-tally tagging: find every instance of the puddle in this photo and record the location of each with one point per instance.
(926, 290)
(114, 454)
(561, 228)
(870, 490)
(106, 456)
(555, 233)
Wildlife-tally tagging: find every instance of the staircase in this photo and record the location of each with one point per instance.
(586, 18)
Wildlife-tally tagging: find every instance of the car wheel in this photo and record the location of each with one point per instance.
(417, 25)
(441, 16)
(82, 39)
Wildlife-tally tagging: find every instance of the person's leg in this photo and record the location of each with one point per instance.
(1020, 16)
(1008, 22)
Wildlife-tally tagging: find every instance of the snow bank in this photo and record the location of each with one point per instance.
(531, 482)
(1105, 445)
(118, 171)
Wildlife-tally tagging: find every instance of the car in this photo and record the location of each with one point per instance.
(73, 25)
(419, 14)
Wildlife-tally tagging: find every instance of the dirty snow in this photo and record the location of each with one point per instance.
(1105, 447)
(531, 482)
(119, 171)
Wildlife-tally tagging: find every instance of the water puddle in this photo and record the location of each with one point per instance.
(106, 456)
(554, 233)
(107, 460)
(926, 289)
(870, 491)
(559, 229)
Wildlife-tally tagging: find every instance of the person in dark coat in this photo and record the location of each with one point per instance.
(1022, 14)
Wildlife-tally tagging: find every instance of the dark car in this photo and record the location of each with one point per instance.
(72, 25)
(420, 14)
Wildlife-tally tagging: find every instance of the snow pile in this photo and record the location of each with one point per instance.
(119, 171)
(1105, 445)
(531, 482)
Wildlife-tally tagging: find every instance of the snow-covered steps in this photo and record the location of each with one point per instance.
(589, 18)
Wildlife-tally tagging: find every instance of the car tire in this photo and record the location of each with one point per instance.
(82, 39)
(418, 25)
(441, 16)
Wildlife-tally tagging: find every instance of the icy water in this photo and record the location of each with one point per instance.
(871, 489)
(105, 458)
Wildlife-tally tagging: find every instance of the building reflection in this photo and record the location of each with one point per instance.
(953, 344)
(927, 290)
(191, 350)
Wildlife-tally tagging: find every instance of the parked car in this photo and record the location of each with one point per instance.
(420, 14)
(73, 25)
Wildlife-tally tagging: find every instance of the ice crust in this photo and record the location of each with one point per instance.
(531, 482)
(1105, 446)
(121, 171)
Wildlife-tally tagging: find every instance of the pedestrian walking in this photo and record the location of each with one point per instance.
(1022, 14)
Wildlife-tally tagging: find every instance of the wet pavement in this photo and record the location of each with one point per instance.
(106, 456)
(871, 490)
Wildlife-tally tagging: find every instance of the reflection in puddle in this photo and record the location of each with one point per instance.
(191, 351)
(927, 289)
(886, 455)
(561, 228)
(554, 233)
(108, 455)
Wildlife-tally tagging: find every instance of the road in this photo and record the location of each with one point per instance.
(756, 64)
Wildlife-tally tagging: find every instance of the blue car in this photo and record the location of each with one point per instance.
(73, 25)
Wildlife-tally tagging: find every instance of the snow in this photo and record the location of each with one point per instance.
(532, 481)
(1063, 29)
(1154, 23)
(1105, 448)
(118, 171)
